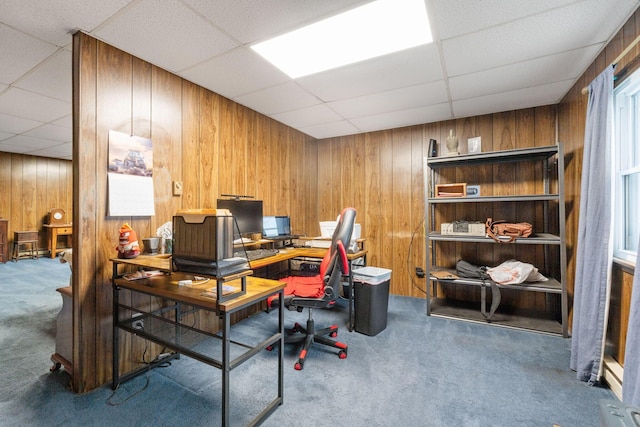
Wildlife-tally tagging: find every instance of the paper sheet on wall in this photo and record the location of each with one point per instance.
(130, 175)
(130, 195)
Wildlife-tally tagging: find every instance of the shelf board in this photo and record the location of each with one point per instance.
(489, 157)
(551, 286)
(535, 239)
(493, 199)
(503, 317)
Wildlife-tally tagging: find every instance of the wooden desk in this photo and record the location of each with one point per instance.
(55, 230)
(165, 327)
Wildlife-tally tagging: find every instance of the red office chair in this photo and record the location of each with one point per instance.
(320, 291)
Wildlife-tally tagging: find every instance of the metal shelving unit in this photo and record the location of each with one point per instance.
(551, 157)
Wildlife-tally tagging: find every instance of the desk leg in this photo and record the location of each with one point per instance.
(281, 346)
(116, 333)
(225, 369)
(351, 302)
(53, 237)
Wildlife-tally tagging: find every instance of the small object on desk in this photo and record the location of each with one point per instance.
(142, 274)
(443, 274)
(127, 242)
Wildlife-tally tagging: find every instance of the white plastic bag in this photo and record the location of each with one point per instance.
(513, 272)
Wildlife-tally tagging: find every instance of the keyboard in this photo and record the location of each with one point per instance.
(255, 254)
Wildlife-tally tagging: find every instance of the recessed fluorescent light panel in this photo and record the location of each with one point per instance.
(375, 29)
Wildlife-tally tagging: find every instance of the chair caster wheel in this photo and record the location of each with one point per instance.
(298, 366)
(333, 334)
(342, 355)
(269, 348)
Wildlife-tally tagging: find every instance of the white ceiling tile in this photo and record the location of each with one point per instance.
(316, 114)
(20, 53)
(235, 73)
(407, 68)
(173, 36)
(65, 122)
(539, 35)
(328, 130)
(48, 131)
(16, 124)
(414, 116)
(6, 135)
(250, 20)
(55, 20)
(63, 151)
(457, 17)
(524, 74)
(8, 148)
(3, 87)
(32, 106)
(29, 142)
(278, 99)
(52, 77)
(395, 100)
(514, 100)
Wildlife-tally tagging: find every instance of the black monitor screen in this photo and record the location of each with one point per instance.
(247, 213)
(284, 225)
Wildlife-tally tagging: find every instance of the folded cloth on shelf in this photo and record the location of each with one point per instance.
(514, 272)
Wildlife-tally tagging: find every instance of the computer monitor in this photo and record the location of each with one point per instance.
(284, 225)
(247, 214)
(269, 226)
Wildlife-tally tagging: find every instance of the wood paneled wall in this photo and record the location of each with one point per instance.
(211, 144)
(30, 187)
(381, 175)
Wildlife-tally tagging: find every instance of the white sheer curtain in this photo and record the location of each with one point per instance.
(594, 251)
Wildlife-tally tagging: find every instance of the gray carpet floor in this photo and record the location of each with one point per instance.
(419, 371)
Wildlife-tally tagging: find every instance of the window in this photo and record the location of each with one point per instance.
(626, 167)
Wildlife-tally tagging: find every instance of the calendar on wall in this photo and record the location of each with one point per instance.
(130, 176)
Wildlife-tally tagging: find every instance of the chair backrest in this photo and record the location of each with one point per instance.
(335, 264)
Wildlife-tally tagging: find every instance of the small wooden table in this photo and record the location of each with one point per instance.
(25, 238)
(55, 230)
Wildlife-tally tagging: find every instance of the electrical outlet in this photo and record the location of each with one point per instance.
(419, 272)
(137, 323)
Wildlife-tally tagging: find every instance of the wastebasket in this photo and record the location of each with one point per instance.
(371, 299)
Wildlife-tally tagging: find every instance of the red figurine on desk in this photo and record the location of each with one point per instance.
(128, 243)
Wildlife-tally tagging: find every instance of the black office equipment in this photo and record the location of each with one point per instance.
(203, 243)
(247, 214)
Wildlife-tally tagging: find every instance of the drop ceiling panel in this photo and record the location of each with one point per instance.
(48, 131)
(51, 78)
(458, 17)
(20, 53)
(308, 116)
(5, 135)
(534, 72)
(61, 151)
(407, 68)
(236, 72)
(55, 20)
(251, 21)
(14, 124)
(278, 99)
(549, 33)
(429, 114)
(513, 100)
(328, 130)
(30, 143)
(32, 106)
(395, 100)
(172, 36)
